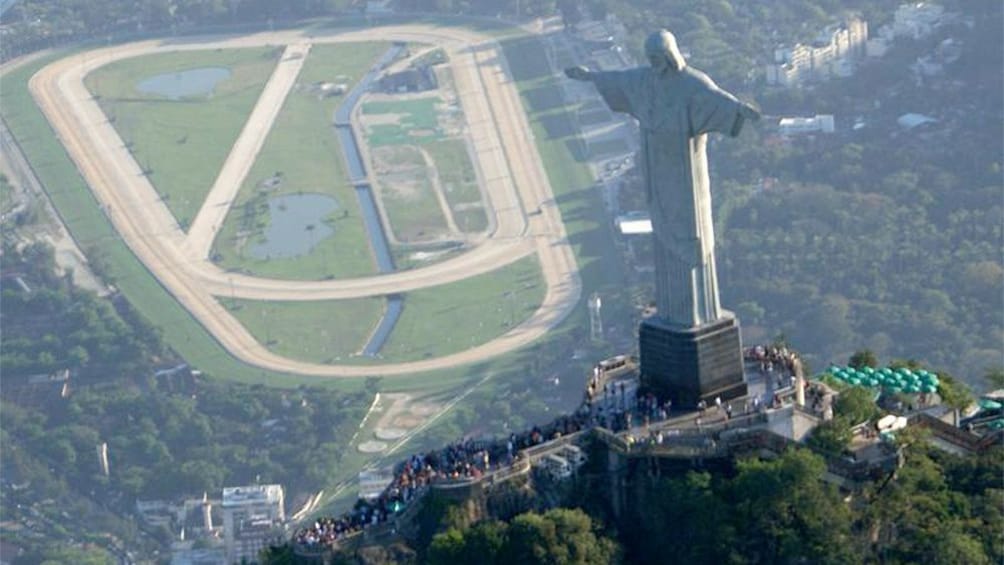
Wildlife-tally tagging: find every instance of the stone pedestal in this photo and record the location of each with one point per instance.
(692, 364)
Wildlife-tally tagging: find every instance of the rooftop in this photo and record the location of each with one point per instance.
(255, 494)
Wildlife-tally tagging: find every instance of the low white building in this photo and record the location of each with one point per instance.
(634, 223)
(912, 120)
(822, 123)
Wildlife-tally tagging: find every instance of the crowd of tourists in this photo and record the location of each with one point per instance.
(612, 404)
(464, 460)
(772, 359)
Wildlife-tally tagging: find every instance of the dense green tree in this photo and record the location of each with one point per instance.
(919, 518)
(863, 358)
(702, 529)
(857, 405)
(831, 437)
(953, 392)
(559, 536)
(995, 377)
(789, 514)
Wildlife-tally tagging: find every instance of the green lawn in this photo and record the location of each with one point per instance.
(436, 321)
(321, 332)
(456, 174)
(407, 195)
(418, 121)
(445, 319)
(183, 143)
(303, 147)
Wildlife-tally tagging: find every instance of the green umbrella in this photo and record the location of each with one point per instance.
(930, 389)
(987, 404)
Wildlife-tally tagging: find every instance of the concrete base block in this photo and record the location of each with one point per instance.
(692, 364)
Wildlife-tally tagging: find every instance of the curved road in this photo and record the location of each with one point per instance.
(510, 165)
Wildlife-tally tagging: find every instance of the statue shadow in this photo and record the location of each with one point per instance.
(524, 55)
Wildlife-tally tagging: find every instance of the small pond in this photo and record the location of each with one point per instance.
(182, 84)
(296, 224)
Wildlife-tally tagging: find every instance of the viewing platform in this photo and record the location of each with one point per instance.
(632, 430)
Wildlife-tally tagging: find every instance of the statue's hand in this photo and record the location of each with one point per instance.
(749, 112)
(577, 73)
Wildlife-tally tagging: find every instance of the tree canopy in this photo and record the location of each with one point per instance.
(559, 536)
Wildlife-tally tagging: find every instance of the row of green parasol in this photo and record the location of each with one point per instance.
(892, 381)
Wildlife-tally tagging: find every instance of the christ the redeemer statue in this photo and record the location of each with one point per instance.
(676, 107)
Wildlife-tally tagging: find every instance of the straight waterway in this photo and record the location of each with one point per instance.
(371, 217)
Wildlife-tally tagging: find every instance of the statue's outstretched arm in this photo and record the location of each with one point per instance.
(748, 111)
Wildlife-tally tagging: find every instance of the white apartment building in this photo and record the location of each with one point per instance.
(833, 53)
(251, 517)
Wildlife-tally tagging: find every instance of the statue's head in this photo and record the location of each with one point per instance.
(662, 52)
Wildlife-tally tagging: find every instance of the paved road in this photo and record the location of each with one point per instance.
(213, 212)
(506, 158)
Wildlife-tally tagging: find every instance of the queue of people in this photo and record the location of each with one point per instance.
(464, 460)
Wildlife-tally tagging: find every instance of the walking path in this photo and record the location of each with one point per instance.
(209, 220)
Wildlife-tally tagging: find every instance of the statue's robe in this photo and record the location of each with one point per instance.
(676, 110)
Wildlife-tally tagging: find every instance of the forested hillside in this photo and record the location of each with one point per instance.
(170, 434)
(940, 508)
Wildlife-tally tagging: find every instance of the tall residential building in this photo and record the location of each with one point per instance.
(833, 53)
(252, 516)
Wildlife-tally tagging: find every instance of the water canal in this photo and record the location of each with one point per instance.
(371, 217)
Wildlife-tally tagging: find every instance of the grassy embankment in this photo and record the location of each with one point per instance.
(436, 321)
(564, 156)
(182, 142)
